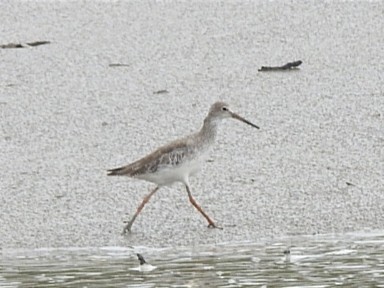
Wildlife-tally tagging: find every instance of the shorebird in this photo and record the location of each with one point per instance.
(178, 160)
(287, 255)
(144, 266)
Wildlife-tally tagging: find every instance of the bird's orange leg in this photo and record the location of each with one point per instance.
(127, 227)
(211, 224)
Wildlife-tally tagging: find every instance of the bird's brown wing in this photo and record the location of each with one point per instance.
(171, 154)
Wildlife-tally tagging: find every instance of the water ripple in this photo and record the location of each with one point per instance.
(314, 261)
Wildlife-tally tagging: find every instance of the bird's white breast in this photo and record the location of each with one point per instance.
(168, 174)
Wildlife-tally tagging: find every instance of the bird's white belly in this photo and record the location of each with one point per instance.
(166, 175)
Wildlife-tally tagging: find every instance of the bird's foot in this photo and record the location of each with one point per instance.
(127, 229)
(213, 225)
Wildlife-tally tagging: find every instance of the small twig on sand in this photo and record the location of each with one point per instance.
(160, 92)
(118, 65)
(288, 66)
(38, 43)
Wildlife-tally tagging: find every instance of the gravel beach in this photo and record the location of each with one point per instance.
(118, 79)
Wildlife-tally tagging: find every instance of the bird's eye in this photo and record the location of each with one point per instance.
(224, 109)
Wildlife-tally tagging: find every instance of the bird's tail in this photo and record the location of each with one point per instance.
(117, 171)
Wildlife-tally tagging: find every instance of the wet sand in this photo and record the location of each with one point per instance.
(316, 165)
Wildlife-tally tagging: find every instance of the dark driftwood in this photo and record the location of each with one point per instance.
(11, 46)
(288, 66)
(19, 45)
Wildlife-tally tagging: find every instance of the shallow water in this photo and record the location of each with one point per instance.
(316, 261)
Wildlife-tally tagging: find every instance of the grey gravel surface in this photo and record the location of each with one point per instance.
(316, 165)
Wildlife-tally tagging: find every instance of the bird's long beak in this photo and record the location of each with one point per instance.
(238, 117)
